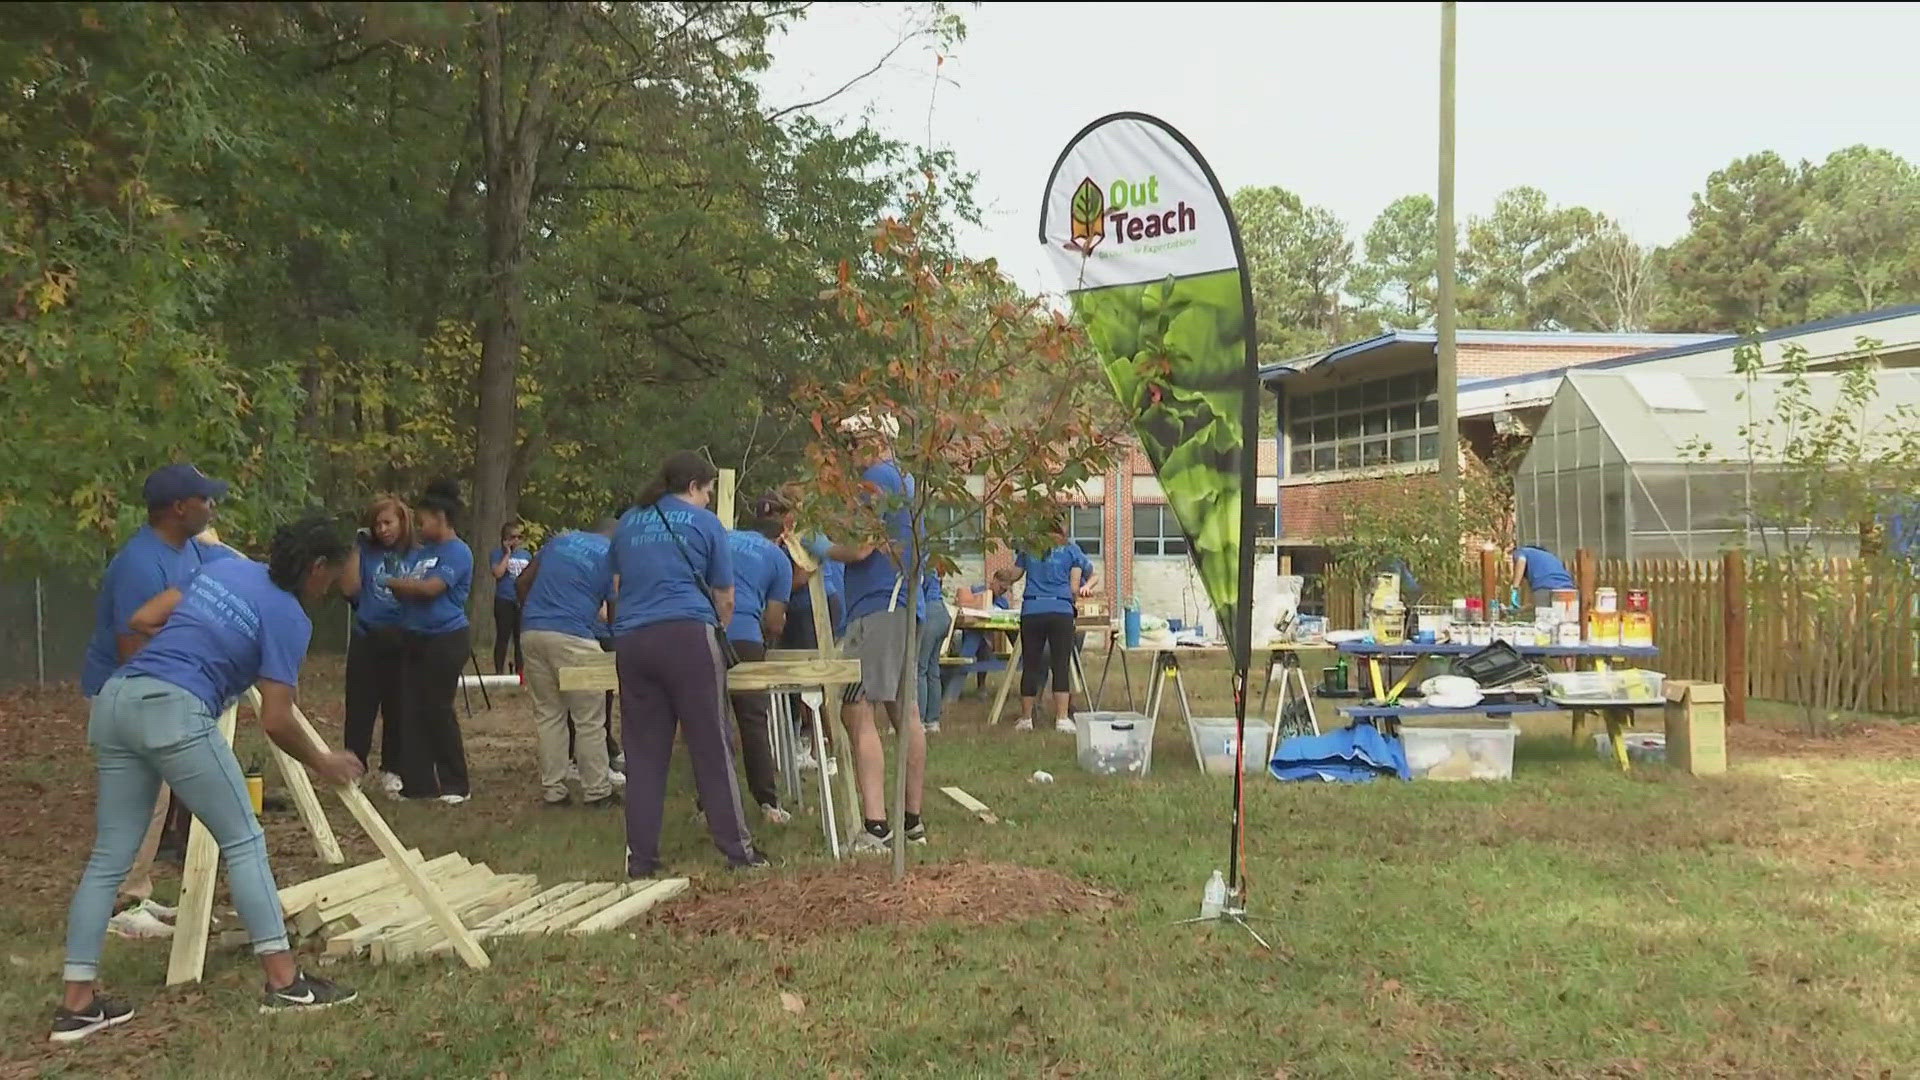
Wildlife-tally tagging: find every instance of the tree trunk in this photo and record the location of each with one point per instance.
(908, 699)
(511, 145)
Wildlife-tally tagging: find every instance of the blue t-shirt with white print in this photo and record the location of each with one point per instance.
(142, 569)
(761, 572)
(575, 579)
(507, 586)
(452, 562)
(873, 583)
(376, 607)
(656, 583)
(232, 628)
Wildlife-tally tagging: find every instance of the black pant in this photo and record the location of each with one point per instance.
(506, 628)
(756, 740)
(435, 757)
(376, 688)
(1046, 645)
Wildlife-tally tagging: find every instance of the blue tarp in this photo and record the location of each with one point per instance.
(1352, 755)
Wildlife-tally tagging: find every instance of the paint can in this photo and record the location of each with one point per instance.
(1637, 600)
(1606, 600)
(1566, 605)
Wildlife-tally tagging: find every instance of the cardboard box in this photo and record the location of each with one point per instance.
(1696, 727)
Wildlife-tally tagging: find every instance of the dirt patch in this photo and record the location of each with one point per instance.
(842, 898)
(1855, 740)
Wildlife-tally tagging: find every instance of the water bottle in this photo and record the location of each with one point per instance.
(1132, 625)
(1214, 899)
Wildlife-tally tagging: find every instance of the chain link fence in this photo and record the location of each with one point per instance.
(46, 618)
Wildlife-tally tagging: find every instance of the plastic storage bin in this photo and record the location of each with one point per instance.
(1213, 744)
(1114, 743)
(1642, 746)
(1460, 752)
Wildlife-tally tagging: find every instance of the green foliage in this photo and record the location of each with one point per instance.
(1734, 269)
(1412, 518)
(1397, 282)
(1299, 257)
(1829, 468)
(1513, 254)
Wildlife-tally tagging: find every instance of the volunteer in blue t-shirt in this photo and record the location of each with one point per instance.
(936, 624)
(433, 584)
(507, 562)
(234, 624)
(376, 651)
(1055, 580)
(675, 569)
(168, 550)
(563, 596)
(880, 610)
(1539, 570)
(762, 581)
(980, 645)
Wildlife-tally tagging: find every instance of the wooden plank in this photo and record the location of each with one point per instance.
(527, 906)
(382, 892)
(636, 904)
(596, 675)
(194, 918)
(295, 897)
(573, 916)
(565, 913)
(413, 936)
(726, 495)
(305, 801)
(377, 828)
(396, 902)
(978, 808)
(768, 674)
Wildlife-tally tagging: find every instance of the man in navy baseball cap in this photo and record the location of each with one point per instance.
(182, 482)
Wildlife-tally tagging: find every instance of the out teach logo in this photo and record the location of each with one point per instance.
(1130, 207)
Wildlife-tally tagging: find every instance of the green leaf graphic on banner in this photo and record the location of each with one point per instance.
(1175, 351)
(1087, 215)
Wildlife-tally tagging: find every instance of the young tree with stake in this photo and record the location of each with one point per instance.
(989, 401)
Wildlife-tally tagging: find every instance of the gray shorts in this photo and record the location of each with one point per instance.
(879, 642)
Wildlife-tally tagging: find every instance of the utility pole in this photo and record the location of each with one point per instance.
(1449, 368)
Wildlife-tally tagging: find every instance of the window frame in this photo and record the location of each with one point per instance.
(1364, 427)
(1156, 544)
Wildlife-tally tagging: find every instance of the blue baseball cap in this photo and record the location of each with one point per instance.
(171, 483)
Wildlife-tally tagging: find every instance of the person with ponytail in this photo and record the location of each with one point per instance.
(231, 624)
(671, 558)
(376, 652)
(433, 583)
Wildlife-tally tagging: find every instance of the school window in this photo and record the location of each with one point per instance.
(1263, 521)
(1087, 526)
(1364, 426)
(1156, 531)
(956, 529)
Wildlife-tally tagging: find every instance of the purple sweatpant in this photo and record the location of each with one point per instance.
(671, 676)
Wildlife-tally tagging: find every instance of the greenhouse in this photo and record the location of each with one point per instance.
(1660, 465)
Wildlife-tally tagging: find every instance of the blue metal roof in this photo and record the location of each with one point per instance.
(1838, 322)
(1302, 364)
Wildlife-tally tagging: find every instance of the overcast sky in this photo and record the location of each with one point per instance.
(1624, 108)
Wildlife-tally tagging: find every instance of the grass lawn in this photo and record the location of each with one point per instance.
(1572, 922)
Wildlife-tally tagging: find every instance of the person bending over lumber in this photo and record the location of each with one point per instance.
(235, 623)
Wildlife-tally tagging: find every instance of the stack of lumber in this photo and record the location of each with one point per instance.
(367, 911)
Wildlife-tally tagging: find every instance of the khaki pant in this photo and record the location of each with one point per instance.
(548, 651)
(139, 882)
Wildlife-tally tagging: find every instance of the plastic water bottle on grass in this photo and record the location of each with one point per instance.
(1214, 899)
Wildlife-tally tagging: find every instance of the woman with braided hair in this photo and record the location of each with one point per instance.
(232, 624)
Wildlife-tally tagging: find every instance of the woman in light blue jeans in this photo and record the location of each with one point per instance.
(235, 623)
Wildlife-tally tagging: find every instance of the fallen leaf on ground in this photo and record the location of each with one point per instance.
(791, 1002)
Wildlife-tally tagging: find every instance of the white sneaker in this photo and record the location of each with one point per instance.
(1025, 723)
(868, 844)
(1066, 726)
(804, 761)
(619, 763)
(158, 910)
(775, 815)
(138, 923)
(931, 729)
(455, 800)
(616, 778)
(387, 781)
(833, 767)
(573, 772)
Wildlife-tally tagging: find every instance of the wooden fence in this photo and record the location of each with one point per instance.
(1864, 645)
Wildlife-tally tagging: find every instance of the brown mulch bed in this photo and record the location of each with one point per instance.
(1851, 740)
(846, 898)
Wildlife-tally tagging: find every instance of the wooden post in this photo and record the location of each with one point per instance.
(1733, 594)
(1489, 578)
(823, 633)
(305, 799)
(194, 918)
(725, 494)
(1585, 571)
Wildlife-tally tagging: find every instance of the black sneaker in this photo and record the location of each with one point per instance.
(610, 799)
(306, 992)
(101, 1013)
